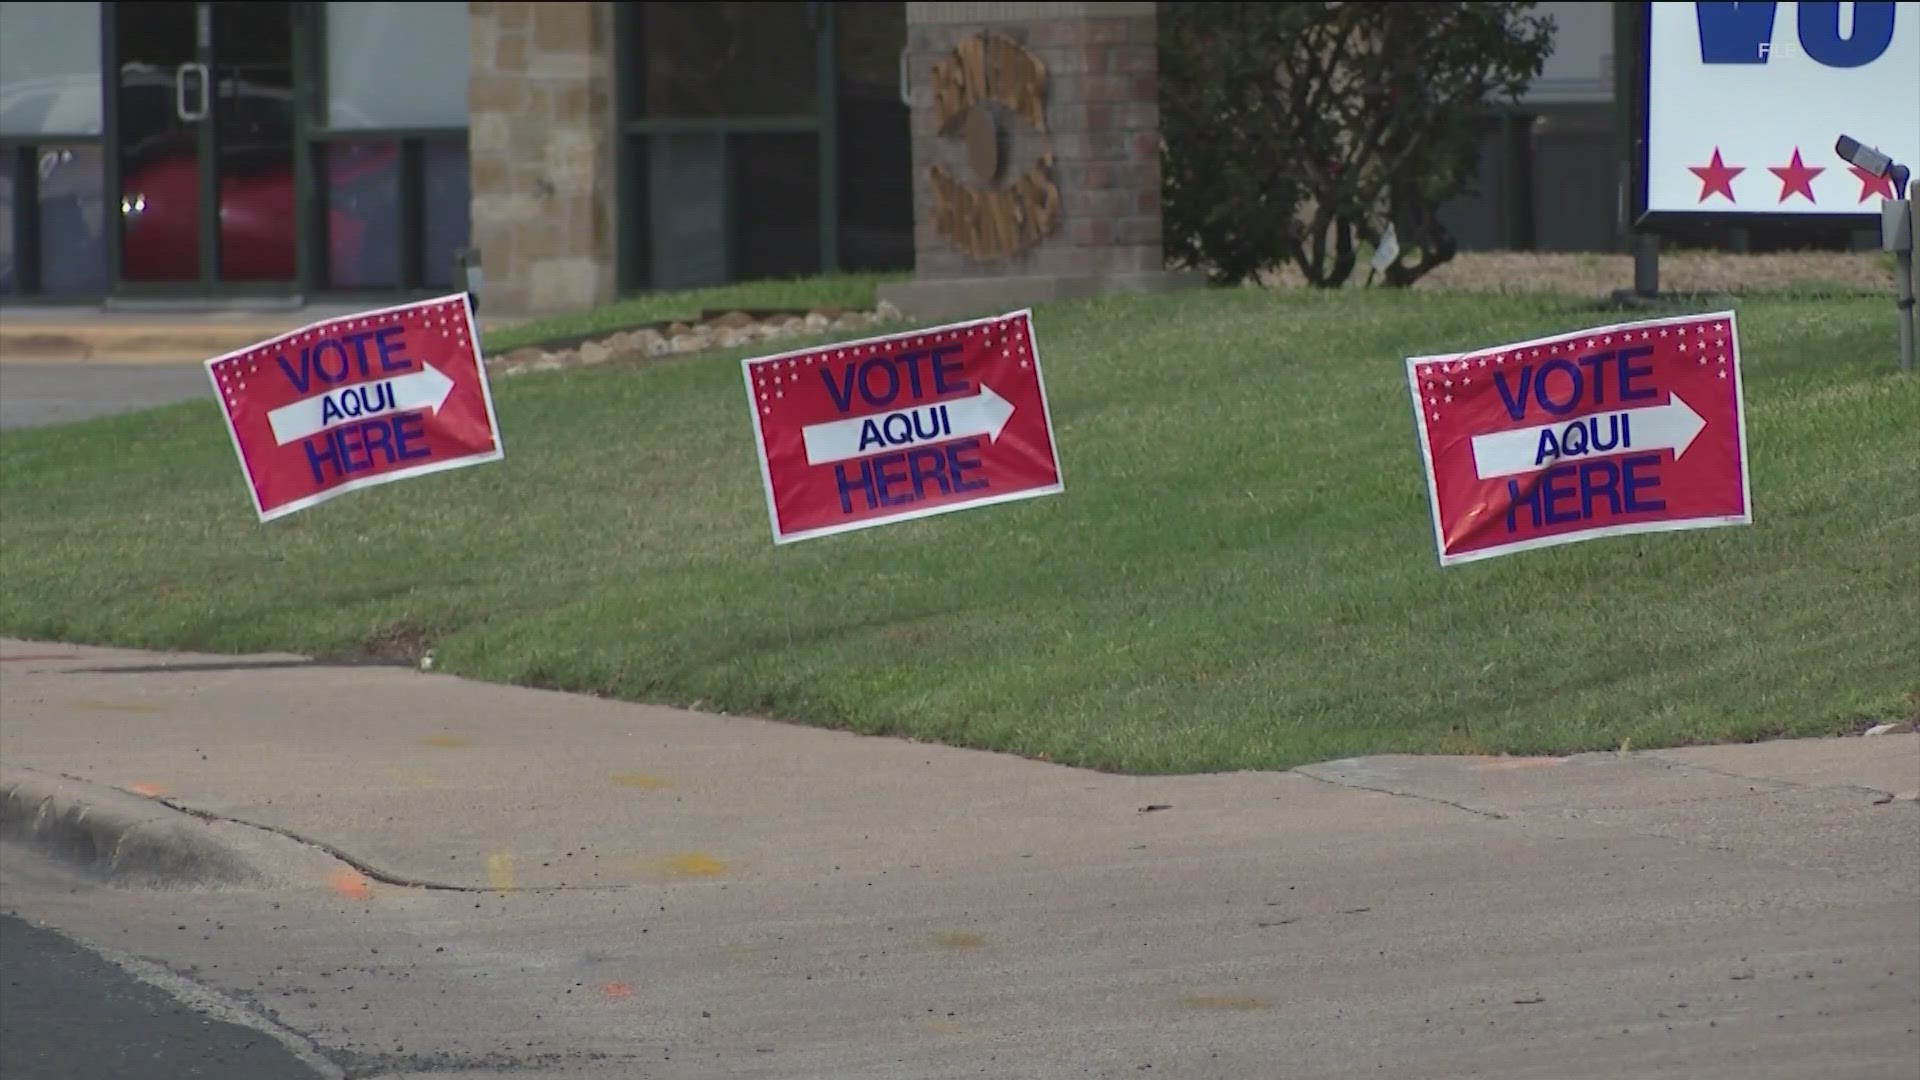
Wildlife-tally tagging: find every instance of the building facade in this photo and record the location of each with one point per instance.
(581, 151)
(283, 150)
(159, 150)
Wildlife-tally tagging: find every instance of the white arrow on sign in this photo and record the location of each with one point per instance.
(424, 389)
(1672, 426)
(985, 413)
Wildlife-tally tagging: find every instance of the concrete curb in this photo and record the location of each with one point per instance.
(130, 345)
(119, 340)
(126, 838)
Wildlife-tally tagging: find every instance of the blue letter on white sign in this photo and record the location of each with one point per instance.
(1742, 33)
(1820, 34)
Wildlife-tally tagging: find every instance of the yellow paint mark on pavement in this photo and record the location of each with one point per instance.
(445, 742)
(117, 706)
(1222, 1002)
(422, 777)
(1521, 762)
(642, 781)
(500, 871)
(350, 883)
(692, 864)
(958, 939)
(945, 1026)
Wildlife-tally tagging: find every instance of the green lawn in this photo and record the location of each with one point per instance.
(1240, 574)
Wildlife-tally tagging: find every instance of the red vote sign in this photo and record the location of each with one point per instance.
(863, 433)
(1631, 428)
(352, 402)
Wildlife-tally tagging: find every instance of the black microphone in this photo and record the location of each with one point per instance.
(1868, 159)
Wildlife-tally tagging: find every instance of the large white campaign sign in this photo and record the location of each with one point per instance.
(1744, 103)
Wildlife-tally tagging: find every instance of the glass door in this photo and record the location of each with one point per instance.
(204, 138)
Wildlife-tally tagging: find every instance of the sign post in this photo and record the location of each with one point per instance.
(1631, 428)
(864, 433)
(1896, 235)
(1896, 227)
(354, 402)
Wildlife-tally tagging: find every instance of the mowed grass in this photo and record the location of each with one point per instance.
(1240, 574)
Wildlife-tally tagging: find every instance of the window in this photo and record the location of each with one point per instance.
(709, 60)
(396, 65)
(49, 69)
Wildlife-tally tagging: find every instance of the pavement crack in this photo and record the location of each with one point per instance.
(1880, 795)
(371, 872)
(1474, 810)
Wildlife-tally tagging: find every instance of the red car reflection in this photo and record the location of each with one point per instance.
(259, 237)
(160, 206)
(159, 200)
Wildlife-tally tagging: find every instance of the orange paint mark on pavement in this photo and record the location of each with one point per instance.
(614, 991)
(350, 883)
(642, 781)
(445, 742)
(151, 791)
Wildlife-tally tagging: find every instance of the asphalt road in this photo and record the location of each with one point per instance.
(36, 394)
(67, 1014)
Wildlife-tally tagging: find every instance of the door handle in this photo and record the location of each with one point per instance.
(191, 108)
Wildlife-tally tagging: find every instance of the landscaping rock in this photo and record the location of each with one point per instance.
(732, 329)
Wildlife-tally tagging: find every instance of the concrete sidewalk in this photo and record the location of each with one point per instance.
(601, 889)
(95, 335)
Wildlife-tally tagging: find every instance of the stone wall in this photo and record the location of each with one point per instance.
(1102, 111)
(542, 137)
(1103, 119)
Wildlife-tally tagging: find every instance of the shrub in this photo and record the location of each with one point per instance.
(1293, 132)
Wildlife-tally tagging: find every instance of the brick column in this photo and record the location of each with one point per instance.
(541, 141)
(1102, 135)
